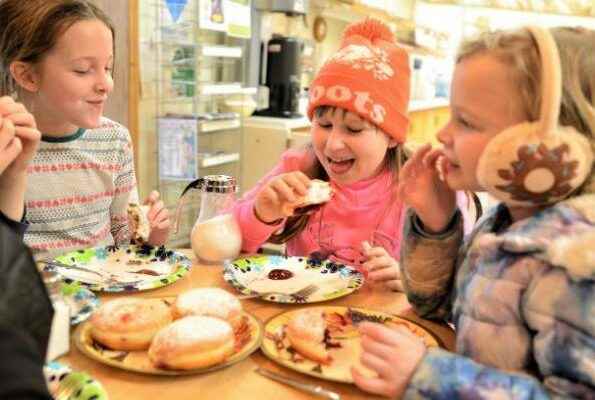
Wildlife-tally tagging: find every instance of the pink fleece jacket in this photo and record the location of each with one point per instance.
(361, 211)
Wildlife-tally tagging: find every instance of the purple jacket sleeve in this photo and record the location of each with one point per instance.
(255, 232)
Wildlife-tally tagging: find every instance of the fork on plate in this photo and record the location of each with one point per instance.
(67, 389)
(105, 277)
(58, 264)
(301, 293)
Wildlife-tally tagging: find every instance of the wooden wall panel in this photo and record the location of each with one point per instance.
(122, 105)
(117, 106)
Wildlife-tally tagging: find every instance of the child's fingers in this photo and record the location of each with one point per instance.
(380, 365)
(377, 251)
(152, 198)
(297, 184)
(284, 191)
(380, 334)
(9, 153)
(27, 133)
(380, 348)
(430, 158)
(384, 274)
(8, 106)
(22, 119)
(7, 132)
(155, 209)
(413, 166)
(421, 152)
(395, 285)
(372, 385)
(366, 247)
(160, 217)
(306, 181)
(379, 261)
(165, 224)
(270, 195)
(405, 332)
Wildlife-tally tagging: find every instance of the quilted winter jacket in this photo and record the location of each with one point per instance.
(522, 298)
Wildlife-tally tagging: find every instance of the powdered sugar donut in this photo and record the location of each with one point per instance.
(306, 331)
(192, 342)
(212, 302)
(129, 323)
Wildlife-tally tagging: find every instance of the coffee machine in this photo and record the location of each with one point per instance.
(282, 58)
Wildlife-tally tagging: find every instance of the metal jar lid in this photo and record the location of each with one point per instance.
(218, 183)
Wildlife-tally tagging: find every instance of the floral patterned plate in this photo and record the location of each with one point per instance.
(121, 269)
(61, 379)
(248, 337)
(342, 341)
(82, 301)
(278, 278)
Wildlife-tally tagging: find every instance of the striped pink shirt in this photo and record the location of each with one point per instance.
(78, 190)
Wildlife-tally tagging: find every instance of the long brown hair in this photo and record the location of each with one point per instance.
(31, 28)
(393, 161)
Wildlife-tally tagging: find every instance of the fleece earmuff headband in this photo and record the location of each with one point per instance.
(537, 163)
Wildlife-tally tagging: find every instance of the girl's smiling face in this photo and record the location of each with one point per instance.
(349, 147)
(74, 79)
(484, 102)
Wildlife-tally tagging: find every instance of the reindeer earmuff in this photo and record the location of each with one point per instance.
(537, 163)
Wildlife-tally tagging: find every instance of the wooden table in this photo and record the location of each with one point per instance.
(238, 381)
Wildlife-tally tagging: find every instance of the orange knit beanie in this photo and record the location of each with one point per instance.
(369, 76)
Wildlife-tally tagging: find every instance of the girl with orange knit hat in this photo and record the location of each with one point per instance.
(358, 108)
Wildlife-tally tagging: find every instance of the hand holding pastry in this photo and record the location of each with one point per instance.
(381, 267)
(393, 354)
(159, 221)
(271, 201)
(421, 188)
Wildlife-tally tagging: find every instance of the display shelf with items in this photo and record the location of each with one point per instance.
(197, 71)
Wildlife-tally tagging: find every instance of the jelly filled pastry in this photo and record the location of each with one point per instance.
(192, 342)
(128, 323)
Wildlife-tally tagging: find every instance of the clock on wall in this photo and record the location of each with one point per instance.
(320, 28)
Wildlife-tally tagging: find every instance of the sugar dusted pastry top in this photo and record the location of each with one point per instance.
(194, 331)
(214, 302)
(128, 314)
(318, 192)
(308, 325)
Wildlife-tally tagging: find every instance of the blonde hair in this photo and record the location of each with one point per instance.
(31, 28)
(576, 47)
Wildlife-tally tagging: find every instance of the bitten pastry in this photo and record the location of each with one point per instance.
(140, 227)
(318, 192)
(212, 302)
(306, 331)
(128, 323)
(192, 342)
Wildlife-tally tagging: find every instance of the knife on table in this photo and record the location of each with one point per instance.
(306, 387)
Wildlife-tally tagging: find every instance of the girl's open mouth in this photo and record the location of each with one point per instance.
(340, 166)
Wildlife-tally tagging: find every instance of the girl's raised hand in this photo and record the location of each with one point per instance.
(282, 189)
(421, 188)
(158, 217)
(381, 267)
(19, 137)
(10, 145)
(393, 353)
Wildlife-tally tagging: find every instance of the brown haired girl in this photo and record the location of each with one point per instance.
(57, 57)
